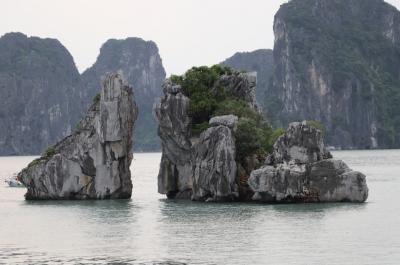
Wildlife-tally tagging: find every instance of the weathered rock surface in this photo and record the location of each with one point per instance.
(259, 61)
(336, 62)
(185, 159)
(301, 170)
(44, 96)
(226, 120)
(39, 87)
(241, 86)
(301, 144)
(140, 63)
(215, 168)
(92, 163)
(175, 175)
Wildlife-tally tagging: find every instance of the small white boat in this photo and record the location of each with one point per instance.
(14, 182)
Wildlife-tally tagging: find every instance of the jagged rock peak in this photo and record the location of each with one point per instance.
(185, 151)
(301, 170)
(92, 163)
(139, 60)
(172, 114)
(240, 86)
(141, 65)
(302, 143)
(259, 61)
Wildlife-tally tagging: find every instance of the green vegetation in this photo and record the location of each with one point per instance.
(252, 137)
(46, 155)
(208, 98)
(34, 162)
(198, 84)
(96, 99)
(49, 152)
(238, 108)
(275, 135)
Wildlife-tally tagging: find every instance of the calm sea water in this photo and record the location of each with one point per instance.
(151, 230)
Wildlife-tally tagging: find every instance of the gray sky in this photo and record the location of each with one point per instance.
(187, 32)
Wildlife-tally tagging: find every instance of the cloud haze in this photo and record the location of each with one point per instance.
(187, 32)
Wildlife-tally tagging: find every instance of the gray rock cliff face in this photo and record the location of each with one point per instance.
(140, 63)
(259, 61)
(301, 144)
(241, 86)
(301, 170)
(93, 162)
(40, 88)
(204, 166)
(44, 95)
(214, 162)
(172, 112)
(336, 62)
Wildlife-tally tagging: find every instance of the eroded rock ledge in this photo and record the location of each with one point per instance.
(92, 163)
(300, 169)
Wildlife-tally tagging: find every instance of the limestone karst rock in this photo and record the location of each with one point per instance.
(189, 159)
(93, 162)
(301, 144)
(44, 96)
(140, 63)
(214, 162)
(211, 155)
(336, 62)
(175, 175)
(259, 61)
(300, 169)
(39, 87)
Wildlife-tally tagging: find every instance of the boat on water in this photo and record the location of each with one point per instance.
(14, 182)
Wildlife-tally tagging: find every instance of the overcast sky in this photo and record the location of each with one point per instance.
(187, 32)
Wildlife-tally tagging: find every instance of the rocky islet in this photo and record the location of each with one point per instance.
(93, 162)
(206, 167)
(300, 169)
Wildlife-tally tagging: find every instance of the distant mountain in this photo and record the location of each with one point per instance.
(260, 61)
(337, 62)
(141, 65)
(43, 94)
(39, 87)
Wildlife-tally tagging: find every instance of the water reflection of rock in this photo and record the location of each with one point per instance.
(92, 211)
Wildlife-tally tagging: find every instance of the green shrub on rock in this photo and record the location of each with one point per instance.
(34, 162)
(49, 152)
(96, 98)
(248, 138)
(197, 84)
(238, 108)
(275, 135)
(209, 99)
